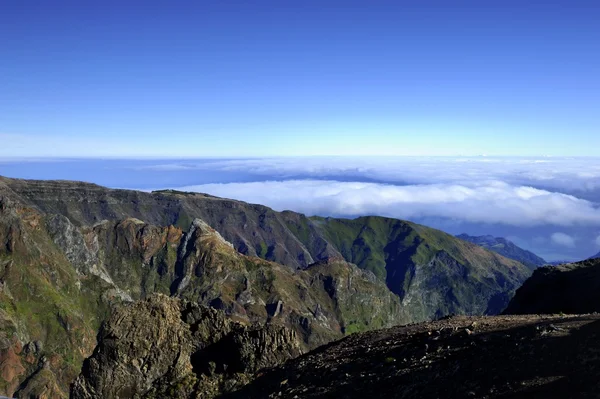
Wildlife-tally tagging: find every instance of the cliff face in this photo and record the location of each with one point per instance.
(569, 288)
(253, 229)
(164, 347)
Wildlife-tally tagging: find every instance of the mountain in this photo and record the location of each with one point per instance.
(569, 288)
(431, 271)
(595, 256)
(70, 253)
(434, 273)
(506, 248)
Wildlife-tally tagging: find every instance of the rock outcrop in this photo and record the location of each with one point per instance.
(165, 347)
(570, 288)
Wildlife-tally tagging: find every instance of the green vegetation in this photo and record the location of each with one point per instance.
(262, 249)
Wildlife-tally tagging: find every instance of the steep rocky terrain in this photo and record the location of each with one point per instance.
(506, 248)
(164, 347)
(48, 315)
(322, 302)
(462, 357)
(253, 229)
(569, 288)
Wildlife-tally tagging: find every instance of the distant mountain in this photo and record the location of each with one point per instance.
(59, 282)
(506, 248)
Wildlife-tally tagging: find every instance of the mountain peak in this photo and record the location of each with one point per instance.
(505, 248)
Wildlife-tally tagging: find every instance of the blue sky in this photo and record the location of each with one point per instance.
(187, 79)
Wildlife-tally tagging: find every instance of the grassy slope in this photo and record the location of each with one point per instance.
(42, 300)
(433, 272)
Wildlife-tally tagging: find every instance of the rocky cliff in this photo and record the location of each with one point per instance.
(163, 347)
(48, 314)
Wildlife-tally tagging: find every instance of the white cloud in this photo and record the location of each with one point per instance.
(563, 239)
(563, 174)
(493, 202)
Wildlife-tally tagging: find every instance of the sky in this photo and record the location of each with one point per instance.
(299, 78)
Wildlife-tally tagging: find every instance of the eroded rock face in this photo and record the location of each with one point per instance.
(322, 302)
(44, 334)
(167, 347)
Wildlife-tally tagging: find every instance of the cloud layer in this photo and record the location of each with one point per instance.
(568, 175)
(563, 239)
(492, 202)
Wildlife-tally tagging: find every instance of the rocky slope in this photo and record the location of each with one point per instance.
(569, 288)
(253, 229)
(321, 302)
(48, 315)
(164, 347)
(168, 348)
(463, 357)
(506, 248)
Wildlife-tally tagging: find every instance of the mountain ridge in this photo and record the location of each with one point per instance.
(287, 237)
(506, 248)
